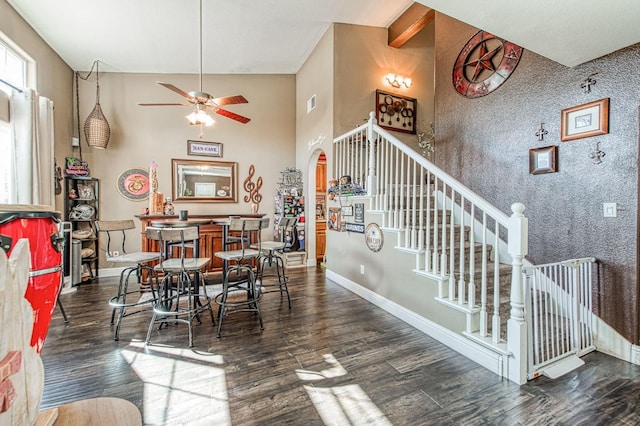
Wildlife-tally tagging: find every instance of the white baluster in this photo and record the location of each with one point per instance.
(461, 289)
(472, 258)
(483, 294)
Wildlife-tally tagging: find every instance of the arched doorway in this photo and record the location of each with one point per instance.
(321, 207)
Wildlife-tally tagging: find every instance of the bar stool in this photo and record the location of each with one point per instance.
(138, 262)
(169, 299)
(272, 253)
(242, 267)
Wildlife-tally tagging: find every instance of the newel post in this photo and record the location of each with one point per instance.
(516, 326)
(371, 166)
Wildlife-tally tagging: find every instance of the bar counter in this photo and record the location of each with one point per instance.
(211, 233)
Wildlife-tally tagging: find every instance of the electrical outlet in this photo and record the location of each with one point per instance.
(361, 269)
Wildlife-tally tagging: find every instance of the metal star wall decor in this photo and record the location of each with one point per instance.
(484, 63)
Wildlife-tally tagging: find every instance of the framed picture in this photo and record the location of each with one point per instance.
(334, 221)
(209, 149)
(585, 120)
(347, 210)
(359, 213)
(395, 112)
(543, 160)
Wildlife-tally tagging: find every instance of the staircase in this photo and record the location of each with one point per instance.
(473, 252)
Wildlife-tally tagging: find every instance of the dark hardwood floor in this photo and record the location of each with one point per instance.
(334, 358)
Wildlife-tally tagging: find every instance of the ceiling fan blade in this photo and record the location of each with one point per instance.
(231, 115)
(163, 104)
(178, 91)
(228, 100)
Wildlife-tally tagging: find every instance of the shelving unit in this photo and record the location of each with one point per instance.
(81, 209)
(289, 202)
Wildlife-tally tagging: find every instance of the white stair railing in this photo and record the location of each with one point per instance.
(461, 240)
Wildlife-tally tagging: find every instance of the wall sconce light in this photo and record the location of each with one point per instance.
(396, 80)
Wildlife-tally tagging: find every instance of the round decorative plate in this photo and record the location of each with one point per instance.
(373, 237)
(484, 63)
(133, 184)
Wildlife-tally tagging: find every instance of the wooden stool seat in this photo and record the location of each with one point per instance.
(95, 411)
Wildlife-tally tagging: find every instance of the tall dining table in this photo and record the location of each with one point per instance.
(177, 223)
(213, 233)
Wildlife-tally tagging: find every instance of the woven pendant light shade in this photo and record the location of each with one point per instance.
(96, 127)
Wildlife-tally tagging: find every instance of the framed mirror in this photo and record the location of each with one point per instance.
(204, 181)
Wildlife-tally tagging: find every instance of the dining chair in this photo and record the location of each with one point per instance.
(128, 300)
(272, 261)
(239, 291)
(182, 294)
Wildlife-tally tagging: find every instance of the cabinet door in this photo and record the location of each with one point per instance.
(321, 177)
(321, 240)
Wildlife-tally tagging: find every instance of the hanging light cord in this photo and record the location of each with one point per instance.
(85, 78)
(201, 45)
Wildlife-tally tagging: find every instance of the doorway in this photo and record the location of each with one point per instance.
(321, 207)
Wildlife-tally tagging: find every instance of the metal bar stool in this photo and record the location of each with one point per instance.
(137, 262)
(179, 297)
(271, 257)
(240, 263)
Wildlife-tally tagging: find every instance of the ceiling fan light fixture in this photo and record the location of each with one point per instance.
(203, 101)
(199, 117)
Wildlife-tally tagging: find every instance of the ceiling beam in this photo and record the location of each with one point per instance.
(415, 18)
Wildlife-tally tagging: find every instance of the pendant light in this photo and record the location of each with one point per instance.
(96, 127)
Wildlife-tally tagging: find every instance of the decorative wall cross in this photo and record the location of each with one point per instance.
(597, 155)
(541, 133)
(588, 82)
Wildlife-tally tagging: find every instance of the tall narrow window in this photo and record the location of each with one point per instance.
(13, 70)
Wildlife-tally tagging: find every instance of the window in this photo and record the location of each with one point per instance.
(13, 69)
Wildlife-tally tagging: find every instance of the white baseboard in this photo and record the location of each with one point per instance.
(109, 272)
(610, 342)
(488, 359)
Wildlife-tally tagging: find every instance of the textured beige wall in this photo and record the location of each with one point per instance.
(54, 78)
(362, 59)
(344, 71)
(314, 130)
(140, 135)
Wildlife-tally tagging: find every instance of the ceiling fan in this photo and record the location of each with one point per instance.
(203, 101)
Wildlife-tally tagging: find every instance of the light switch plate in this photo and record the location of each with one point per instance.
(610, 209)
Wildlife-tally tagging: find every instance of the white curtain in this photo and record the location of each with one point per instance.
(32, 175)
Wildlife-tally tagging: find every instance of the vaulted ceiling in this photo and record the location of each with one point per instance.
(276, 36)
